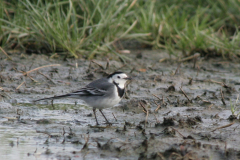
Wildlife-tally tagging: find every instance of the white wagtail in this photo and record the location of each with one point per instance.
(101, 93)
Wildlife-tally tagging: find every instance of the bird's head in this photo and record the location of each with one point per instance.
(119, 78)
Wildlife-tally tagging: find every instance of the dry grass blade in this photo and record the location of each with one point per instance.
(156, 117)
(144, 108)
(20, 85)
(157, 97)
(222, 97)
(98, 64)
(216, 82)
(114, 117)
(85, 146)
(178, 132)
(145, 111)
(46, 77)
(225, 126)
(177, 70)
(158, 105)
(131, 5)
(185, 95)
(146, 119)
(190, 57)
(6, 54)
(35, 69)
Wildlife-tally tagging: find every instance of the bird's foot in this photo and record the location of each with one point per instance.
(108, 123)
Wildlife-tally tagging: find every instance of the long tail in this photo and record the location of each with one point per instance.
(55, 97)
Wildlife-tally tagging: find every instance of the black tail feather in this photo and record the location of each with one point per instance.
(51, 98)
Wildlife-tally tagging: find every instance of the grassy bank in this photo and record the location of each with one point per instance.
(89, 28)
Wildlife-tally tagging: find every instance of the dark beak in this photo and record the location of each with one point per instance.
(128, 78)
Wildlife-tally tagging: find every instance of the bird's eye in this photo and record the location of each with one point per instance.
(118, 77)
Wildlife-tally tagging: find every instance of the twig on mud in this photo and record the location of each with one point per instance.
(53, 106)
(155, 79)
(44, 132)
(168, 100)
(67, 83)
(216, 82)
(31, 65)
(133, 69)
(114, 117)
(63, 140)
(205, 101)
(10, 58)
(236, 127)
(225, 86)
(15, 69)
(63, 131)
(88, 70)
(190, 81)
(178, 132)
(156, 97)
(177, 69)
(32, 79)
(158, 105)
(98, 64)
(146, 111)
(124, 65)
(228, 125)
(211, 70)
(162, 59)
(156, 117)
(146, 119)
(160, 155)
(144, 108)
(175, 155)
(198, 69)
(185, 95)
(70, 130)
(85, 146)
(63, 136)
(51, 65)
(163, 100)
(20, 85)
(5, 95)
(196, 55)
(225, 148)
(46, 77)
(102, 127)
(210, 106)
(222, 97)
(107, 65)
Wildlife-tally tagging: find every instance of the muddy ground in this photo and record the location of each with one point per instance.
(171, 110)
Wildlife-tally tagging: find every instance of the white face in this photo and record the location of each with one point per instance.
(120, 79)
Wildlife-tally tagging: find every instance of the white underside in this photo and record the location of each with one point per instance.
(101, 102)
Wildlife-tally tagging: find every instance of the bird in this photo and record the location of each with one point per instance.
(102, 93)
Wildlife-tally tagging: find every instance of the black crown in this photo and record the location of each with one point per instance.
(118, 72)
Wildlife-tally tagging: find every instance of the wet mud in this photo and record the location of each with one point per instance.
(171, 110)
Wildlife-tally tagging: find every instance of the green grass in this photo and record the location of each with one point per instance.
(91, 27)
(234, 107)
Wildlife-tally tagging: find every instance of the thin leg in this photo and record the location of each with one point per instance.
(94, 112)
(104, 116)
